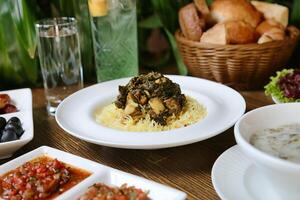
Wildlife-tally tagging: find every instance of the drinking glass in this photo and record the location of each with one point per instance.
(114, 30)
(60, 61)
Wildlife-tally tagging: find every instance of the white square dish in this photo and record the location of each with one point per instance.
(114, 177)
(22, 99)
(101, 173)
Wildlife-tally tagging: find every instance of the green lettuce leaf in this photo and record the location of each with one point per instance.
(273, 89)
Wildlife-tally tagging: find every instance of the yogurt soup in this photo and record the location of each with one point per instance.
(282, 142)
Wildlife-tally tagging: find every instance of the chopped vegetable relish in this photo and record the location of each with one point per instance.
(41, 178)
(100, 191)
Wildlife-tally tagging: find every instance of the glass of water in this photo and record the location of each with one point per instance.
(60, 61)
(114, 29)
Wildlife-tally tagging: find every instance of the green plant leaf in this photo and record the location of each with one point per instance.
(151, 22)
(295, 15)
(180, 64)
(167, 11)
(17, 52)
(209, 2)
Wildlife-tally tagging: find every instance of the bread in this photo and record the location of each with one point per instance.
(239, 32)
(190, 22)
(231, 32)
(273, 11)
(234, 10)
(264, 38)
(215, 35)
(267, 25)
(272, 35)
(202, 7)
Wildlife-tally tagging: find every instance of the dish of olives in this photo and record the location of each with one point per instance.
(10, 130)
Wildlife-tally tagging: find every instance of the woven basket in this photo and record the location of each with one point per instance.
(242, 67)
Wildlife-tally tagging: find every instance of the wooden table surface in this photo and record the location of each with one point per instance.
(187, 168)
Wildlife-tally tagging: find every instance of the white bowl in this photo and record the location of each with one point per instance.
(283, 175)
(22, 99)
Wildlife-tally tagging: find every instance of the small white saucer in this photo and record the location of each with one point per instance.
(235, 177)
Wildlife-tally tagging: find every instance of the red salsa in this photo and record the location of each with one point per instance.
(42, 178)
(100, 191)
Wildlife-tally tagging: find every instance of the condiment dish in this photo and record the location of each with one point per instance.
(99, 173)
(22, 99)
(282, 174)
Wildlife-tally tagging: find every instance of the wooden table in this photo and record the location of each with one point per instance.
(187, 168)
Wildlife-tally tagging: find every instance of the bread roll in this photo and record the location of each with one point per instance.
(264, 38)
(273, 11)
(231, 32)
(272, 35)
(234, 10)
(239, 32)
(215, 35)
(190, 22)
(267, 25)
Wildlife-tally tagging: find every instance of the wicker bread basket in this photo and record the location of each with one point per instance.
(243, 67)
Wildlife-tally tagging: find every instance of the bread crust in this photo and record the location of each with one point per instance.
(190, 22)
(231, 32)
(239, 32)
(235, 10)
(215, 35)
(273, 11)
(267, 25)
(202, 7)
(272, 35)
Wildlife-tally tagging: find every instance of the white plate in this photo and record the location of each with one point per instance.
(22, 99)
(224, 107)
(100, 173)
(235, 177)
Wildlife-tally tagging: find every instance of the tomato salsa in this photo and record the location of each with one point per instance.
(42, 178)
(100, 191)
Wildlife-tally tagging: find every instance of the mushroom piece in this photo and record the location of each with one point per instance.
(173, 105)
(140, 97)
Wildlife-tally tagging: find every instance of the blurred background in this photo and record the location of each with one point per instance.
(157, 22)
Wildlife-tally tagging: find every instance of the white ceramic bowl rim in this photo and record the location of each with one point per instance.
(262, 156)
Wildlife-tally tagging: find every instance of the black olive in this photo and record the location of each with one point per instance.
(15, 120)
(14, 127)
(2, 123)
(8, 135)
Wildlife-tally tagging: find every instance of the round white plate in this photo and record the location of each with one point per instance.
(235, 177)
(76, 115)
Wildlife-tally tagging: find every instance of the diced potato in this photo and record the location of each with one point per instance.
(156, 105)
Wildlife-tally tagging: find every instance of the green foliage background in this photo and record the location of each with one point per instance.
(18, 56)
